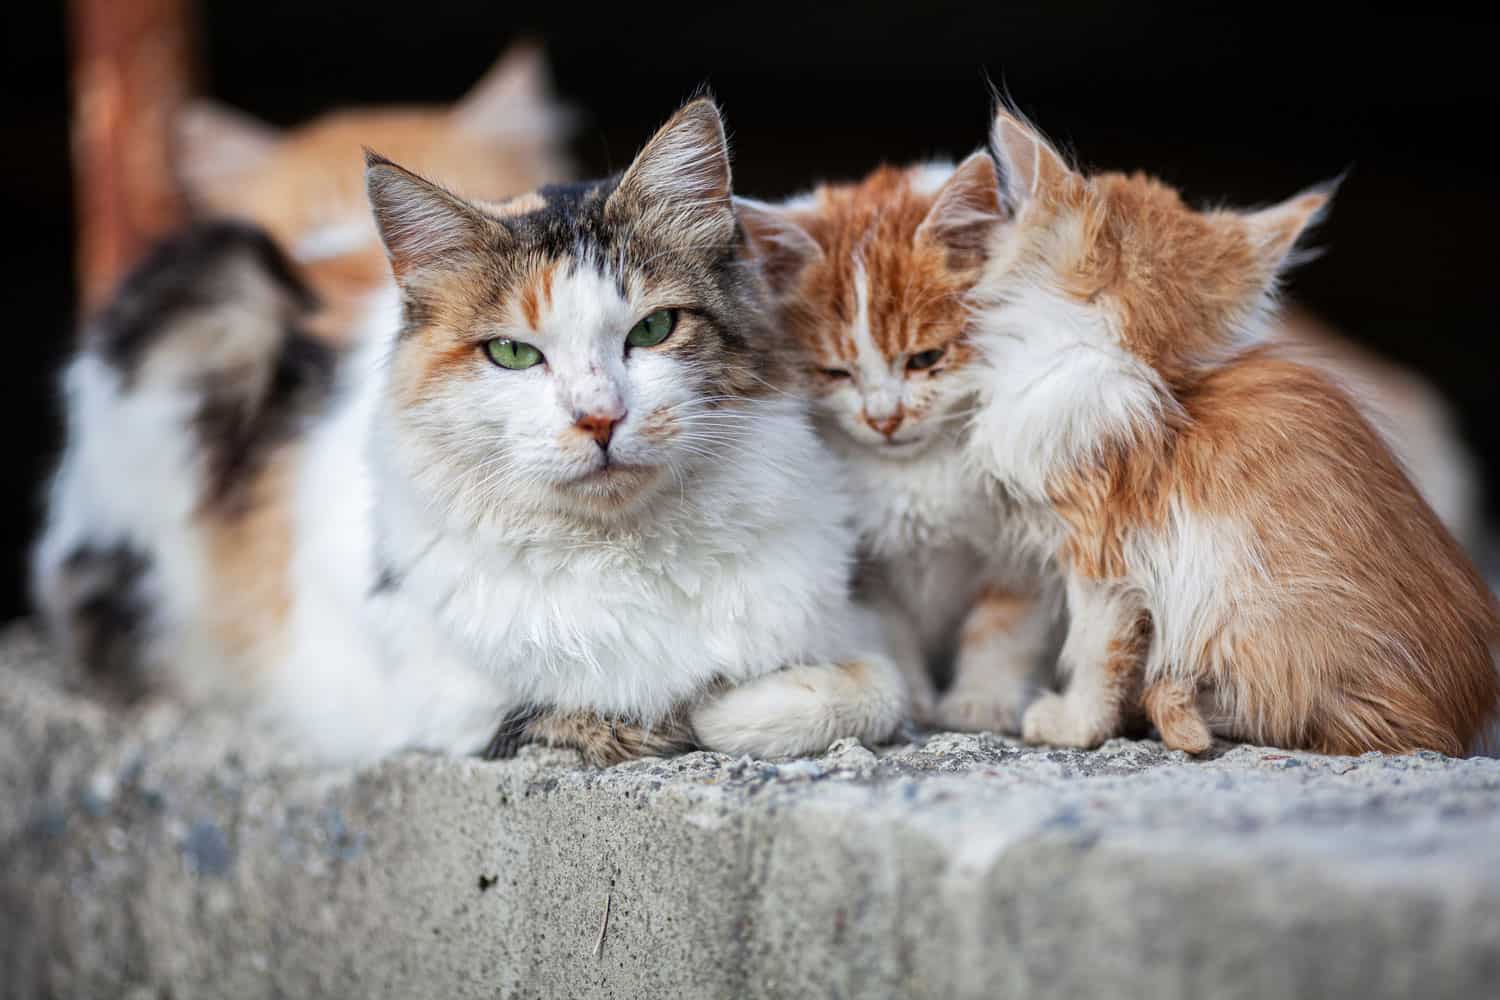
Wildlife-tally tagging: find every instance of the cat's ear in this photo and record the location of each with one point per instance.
(1029, 168)
(514, 100)
(422, 226)
(783, 248)
(965, 213)
(680, 182)
(1274, 231)
(215, 148)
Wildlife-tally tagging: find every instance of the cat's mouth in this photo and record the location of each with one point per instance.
(612, 480)
(898, 447)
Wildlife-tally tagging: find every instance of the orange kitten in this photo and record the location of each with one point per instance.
(872, 280)
(1239, 547)
(305, 185)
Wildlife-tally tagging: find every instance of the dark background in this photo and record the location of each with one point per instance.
(1246, 109)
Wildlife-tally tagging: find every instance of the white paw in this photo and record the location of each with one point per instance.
(1055, 720)
(803, 709)
(980, 711)
(760, 718)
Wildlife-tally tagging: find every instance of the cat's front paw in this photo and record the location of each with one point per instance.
(980, 711)
(1054, 720)
(804, 709)
(777, 715)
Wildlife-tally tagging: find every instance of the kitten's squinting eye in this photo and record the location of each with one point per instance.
(653, 329)
(919, 362)
(512, 354)
(834, 372)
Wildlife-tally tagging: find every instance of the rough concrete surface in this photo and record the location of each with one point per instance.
(152, 855)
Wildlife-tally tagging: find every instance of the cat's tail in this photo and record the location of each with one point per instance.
(166, 404)
(204, 314)
(803, 709)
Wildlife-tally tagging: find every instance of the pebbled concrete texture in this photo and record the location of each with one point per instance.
(148, 854)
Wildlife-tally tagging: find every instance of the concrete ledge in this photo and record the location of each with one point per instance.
(152, 855)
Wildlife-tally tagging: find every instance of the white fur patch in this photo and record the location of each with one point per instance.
(129, 476)
(1196, 575)
(1055, 385)
(879, 387)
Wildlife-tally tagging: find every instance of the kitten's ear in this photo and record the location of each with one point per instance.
(783, 248)
(514, 99)
(422, 225)
(1274, 231)
(216, 148)
(1029, 167)
(680, 181)
(966, 212)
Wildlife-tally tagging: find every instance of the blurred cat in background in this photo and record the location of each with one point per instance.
(305, 185)
(872, 281)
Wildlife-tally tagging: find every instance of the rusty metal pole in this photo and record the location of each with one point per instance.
(132, 65)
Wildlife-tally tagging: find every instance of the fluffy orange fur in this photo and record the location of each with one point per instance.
(916, 286)
(1349, 620)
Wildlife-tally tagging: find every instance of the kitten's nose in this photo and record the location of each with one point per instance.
(599, 426)
(886, 425)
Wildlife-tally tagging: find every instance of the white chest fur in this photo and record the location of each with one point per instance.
(937, 535)
(1054, 386)
(742, 571)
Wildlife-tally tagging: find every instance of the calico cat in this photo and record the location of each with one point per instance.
(571, 498)
(1242, 555)
(305, 185)
(872, 279)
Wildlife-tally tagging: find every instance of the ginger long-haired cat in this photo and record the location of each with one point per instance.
(1242, 554)
(305, 185)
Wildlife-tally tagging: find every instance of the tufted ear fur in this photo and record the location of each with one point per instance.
(1029, 168)
(680, 182)
(966, 212)
(783, 247)
(1274, 231)
(422, 225)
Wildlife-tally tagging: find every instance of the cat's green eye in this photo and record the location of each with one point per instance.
(513, 354)
(834, 372)
(925, 360)
(653, 329)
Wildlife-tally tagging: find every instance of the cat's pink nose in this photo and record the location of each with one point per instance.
(887, 425)
(599, 426)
